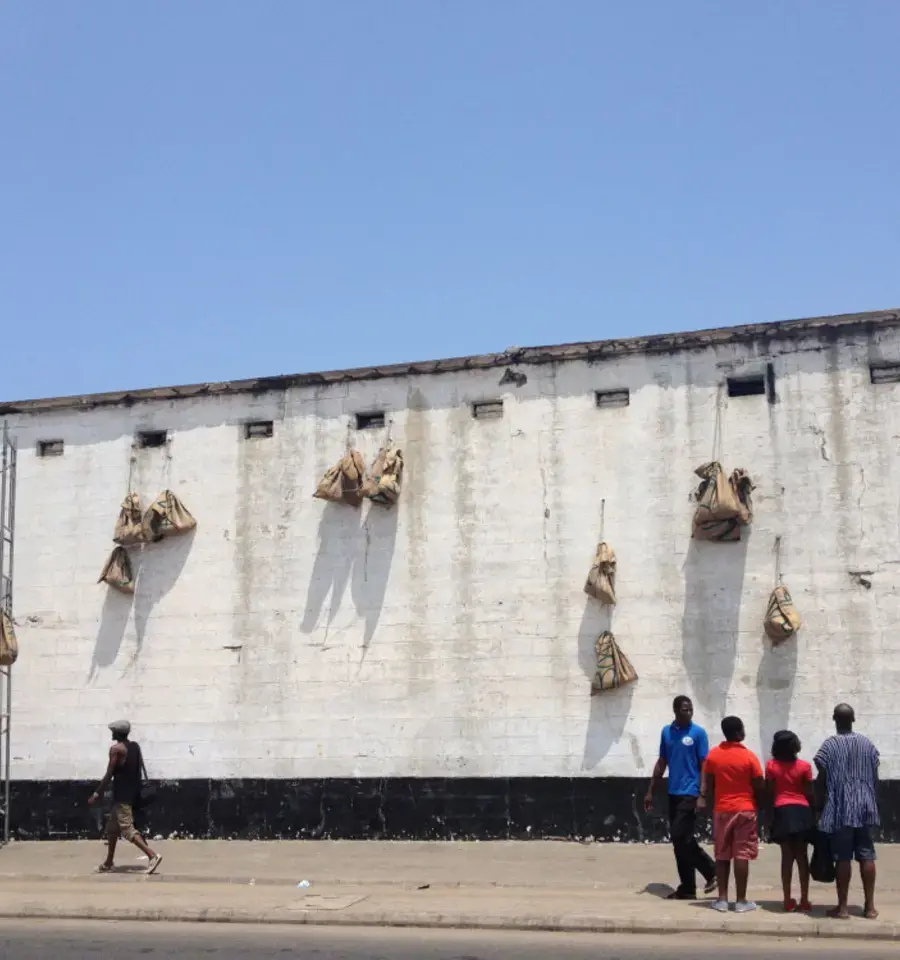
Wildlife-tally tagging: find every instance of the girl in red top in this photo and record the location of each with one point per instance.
(790, 788)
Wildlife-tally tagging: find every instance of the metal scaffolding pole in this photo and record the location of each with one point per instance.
(7, 527)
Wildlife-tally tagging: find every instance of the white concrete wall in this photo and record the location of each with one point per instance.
(290, 638)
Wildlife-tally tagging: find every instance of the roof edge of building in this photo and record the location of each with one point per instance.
(589, 350)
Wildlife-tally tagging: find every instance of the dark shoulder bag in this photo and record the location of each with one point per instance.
(147, 793)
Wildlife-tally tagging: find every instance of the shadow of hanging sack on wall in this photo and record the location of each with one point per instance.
(372, 568)
(114, 615)
(775, 688)
(710, 623)
(609, 710)
(337, 544)
(775, 676)
(161, 565)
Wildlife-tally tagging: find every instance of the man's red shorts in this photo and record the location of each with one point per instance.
(735, 835)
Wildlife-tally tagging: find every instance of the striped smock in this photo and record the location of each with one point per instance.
(850, 764)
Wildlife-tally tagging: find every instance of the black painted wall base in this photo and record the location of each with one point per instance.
(516, 808)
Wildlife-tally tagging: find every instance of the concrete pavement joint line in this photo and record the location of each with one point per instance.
(138, 875)
(553, 924)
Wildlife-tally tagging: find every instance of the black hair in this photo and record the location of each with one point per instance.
(785, 746)
(844, 716)
(678, 702)
(732, 728)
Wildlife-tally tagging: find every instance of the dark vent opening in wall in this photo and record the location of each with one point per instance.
(885, 373)
(259, 429)
(747, 386)
(370, 421)
(50, 448)
(612, 398)
(152, 438)
(770, 383)
(488, 410)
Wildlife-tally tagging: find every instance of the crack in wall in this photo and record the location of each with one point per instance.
(637, 818)
(381, 818)
(368, 540)
(859, 500)
(817, 431)
(319, 830)
(546, 518)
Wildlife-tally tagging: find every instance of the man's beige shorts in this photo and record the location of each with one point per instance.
(120, 822)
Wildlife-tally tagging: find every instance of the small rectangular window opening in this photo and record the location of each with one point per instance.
(612, 398)
(747, 386)
(885, 373)
(50, 448)
(370, 421)
(488, 410)
(258, 429)
(152, 438)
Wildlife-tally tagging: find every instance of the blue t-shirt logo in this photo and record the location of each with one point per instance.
(684, 750)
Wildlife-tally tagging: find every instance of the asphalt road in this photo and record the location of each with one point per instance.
(83, 940)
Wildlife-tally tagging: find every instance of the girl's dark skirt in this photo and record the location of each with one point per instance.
(794, 821)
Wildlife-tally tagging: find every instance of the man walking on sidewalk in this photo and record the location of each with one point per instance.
(125, 770)
(683, 747)
(733, 774)
(848, 763)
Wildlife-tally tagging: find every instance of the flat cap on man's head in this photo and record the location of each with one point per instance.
(120, 726)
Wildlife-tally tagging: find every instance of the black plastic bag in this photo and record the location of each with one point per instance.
(821, 864)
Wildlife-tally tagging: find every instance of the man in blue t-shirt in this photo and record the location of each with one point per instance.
(683, 747)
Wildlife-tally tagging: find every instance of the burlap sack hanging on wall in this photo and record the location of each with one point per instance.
(742, 486)
(130, 525)
(382, 486)
(117, 572)
(614, 669)
(343, 482)
(167, 516)
(9, 645)
(601, 581)
(782, 619)
(723, 503)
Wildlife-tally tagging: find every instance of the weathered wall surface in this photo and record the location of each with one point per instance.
(450, 636)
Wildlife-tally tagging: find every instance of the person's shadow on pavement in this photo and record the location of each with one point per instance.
(659, 890)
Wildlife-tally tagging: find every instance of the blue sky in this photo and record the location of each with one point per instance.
(212, 189)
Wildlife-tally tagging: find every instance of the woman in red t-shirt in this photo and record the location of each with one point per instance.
(790, 788)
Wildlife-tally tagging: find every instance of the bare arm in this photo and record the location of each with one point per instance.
(809, 789)
(115, 754)
(659, 771)
(759, 792)
(820, 790)
(770, 790)
(707, 789)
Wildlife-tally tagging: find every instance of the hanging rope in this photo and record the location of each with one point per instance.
(165, 471)
(131, 462)
(718, 442)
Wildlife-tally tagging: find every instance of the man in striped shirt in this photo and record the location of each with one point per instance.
(848, 763)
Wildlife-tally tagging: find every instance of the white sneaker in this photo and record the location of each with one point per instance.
(720, 905)
(744, 906)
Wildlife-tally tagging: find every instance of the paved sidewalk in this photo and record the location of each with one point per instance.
(513, 885)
